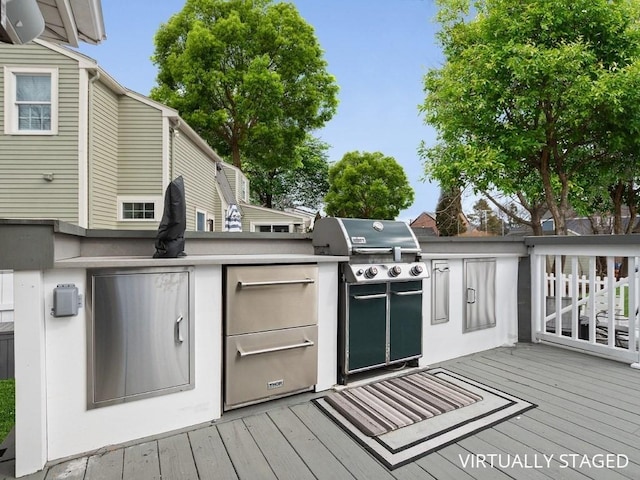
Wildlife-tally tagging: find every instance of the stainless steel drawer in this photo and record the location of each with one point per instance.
(262, 298)
(270, 364)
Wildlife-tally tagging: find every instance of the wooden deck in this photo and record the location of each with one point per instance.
(588, 407)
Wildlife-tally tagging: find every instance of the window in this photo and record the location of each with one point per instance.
(139, 209)
(273, 228)
(204, 222)
(31, 98)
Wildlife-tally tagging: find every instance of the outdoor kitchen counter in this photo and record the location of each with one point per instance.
(53, 420)
(226, 259)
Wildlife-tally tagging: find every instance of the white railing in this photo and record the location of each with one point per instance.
(598, 314)
(6, 296)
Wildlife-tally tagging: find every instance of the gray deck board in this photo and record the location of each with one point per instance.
(248, 460)
(141, 462)
(176, 459)
(359, 462)
(586, 405)
(107, 466)
(310, 449)
(284, 462)
(210, 455)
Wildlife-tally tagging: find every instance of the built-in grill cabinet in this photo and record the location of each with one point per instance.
(140, 334)
(380, 291)
(271, 332)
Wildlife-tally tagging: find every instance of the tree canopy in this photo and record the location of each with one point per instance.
(248, 75)
(367, 185)
(537, 100)
(304, 185)
(449, 213)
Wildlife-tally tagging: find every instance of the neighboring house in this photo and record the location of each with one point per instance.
(425, 224)
(77, 146)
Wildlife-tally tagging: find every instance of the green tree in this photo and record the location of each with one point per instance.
(449, 213)
(536, 98)
(484, 216)
(305, 185)
(367, 185)
(248, 75)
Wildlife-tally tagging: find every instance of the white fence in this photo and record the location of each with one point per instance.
(598, 286)
(6, 296)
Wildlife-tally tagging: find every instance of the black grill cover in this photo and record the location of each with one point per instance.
(170, 237)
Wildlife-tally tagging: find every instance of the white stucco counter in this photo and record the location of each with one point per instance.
(52, 418)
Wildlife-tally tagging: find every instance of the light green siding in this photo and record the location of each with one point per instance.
(139, 149)
(139, 154)
(198, 171)
(103, 153)
(263, 216)
(25, 158)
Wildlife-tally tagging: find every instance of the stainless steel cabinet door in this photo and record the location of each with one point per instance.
(480, 293)
(140, 335)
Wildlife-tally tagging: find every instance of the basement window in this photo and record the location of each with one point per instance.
(139, 209)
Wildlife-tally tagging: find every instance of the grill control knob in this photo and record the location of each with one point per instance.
(371, 272)
(395, 271)
(416, 270)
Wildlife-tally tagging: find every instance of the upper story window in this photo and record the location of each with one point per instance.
(31, 100)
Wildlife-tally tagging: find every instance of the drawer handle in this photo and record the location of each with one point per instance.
(178, 331)
(275, 282)
(369, 297)
(406, 294)
(306, 343)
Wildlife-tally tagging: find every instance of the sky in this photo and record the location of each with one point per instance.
(378, 50)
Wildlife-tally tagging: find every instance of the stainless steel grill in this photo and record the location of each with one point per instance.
(380, 295)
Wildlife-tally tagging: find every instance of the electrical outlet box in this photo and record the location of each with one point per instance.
(65, 300)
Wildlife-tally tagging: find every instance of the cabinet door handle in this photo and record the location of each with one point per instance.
(275, 282)
(306, 343)
(471, 295)
(178, 330)
(369, 297)
(406, 294)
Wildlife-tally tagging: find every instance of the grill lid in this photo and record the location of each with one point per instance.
(351, 236)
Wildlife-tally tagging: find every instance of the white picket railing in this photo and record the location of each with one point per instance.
(598, 286)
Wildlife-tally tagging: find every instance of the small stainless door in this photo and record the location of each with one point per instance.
(480, 293)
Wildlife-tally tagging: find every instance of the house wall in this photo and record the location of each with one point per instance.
(254, 216)
(199, 173)
(25, 158)
(139, 154)
(103, 157)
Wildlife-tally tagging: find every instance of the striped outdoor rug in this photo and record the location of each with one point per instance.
(384, 406)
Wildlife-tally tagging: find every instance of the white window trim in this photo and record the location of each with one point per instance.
(10, 110)
(254, 225)
(207, 217)
(157, 208)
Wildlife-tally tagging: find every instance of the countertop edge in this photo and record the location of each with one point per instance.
(192, 260)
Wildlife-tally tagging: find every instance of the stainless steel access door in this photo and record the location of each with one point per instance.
(139, 335)
(480, 293)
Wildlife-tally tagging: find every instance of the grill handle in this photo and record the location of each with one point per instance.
(306, 343)
(369, 297)
(406, 294)
(269, 283)
(375, 250)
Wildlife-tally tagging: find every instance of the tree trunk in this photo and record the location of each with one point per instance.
(616, 197)
(235, 152)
